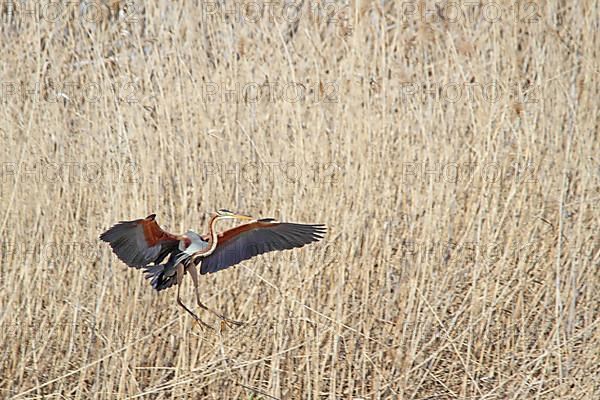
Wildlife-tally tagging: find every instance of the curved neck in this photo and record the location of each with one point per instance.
(212, 240)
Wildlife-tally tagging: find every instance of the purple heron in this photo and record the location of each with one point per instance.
(142, 243)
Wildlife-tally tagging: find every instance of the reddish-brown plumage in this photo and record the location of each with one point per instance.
(224, 237)
(153, 234)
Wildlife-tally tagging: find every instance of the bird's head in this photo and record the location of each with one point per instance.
(226, 214)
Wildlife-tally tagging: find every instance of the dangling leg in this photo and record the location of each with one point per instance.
(194, 274)
(180, 272)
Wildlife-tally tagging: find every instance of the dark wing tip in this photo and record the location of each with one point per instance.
(272, 236)
(266, 220)
(151, 217)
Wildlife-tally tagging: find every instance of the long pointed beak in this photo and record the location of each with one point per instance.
(243, 217)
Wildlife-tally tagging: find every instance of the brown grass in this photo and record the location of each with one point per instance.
(463, 252)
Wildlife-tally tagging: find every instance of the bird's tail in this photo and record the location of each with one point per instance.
(161, 276)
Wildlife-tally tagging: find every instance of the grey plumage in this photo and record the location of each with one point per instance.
(279, 236)
(163, 276)
(127, 241)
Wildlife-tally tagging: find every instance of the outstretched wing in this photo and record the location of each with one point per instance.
(140, 242)
(246, 241)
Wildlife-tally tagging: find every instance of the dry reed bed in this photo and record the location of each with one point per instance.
(462, 258)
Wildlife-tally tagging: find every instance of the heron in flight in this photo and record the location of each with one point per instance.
(142, 243)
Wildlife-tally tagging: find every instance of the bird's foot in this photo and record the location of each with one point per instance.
(203, 325)
(230, 323)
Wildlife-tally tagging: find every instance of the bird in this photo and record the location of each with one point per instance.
(142, 243)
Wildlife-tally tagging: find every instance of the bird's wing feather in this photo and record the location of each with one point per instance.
(248, 240)
(140, 242)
